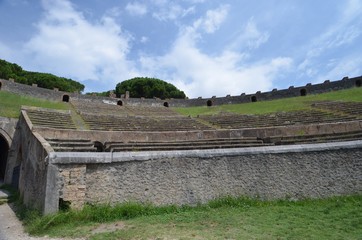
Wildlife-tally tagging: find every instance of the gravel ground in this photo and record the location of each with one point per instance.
(10, 226)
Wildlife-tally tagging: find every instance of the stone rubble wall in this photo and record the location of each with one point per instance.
(191, 177)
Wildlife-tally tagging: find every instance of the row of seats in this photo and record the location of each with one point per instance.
(111, 108)
(72, 145)
(315, 138)
(85, 145)
(154, 111)
(350, 108)
(99, 108)
(141, 123)
(51, 119)
(239, 121)
(184, 145)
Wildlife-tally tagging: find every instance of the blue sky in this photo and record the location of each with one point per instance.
(204, 47)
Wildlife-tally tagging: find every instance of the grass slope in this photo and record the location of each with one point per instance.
(10, 104)
(280, 105)
(226, 218)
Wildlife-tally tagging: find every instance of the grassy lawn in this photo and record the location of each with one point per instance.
(10, 104)
(280, 105)
(227, 218)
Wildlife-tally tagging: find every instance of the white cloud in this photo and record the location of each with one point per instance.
(344, 31)
(213, 19)
(144, 39)
(250, 37)
(67, 43)
(5, 51)
(136, 9)
(348, 66)
(170, 11)
(199, 74)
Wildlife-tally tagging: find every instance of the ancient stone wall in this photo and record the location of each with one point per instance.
(292, 91)
(29, 151)
(191, 177)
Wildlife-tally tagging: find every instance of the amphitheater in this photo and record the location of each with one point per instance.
(109, 150)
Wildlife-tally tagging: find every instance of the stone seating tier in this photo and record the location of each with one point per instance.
(111, 108)
(99, 108)
(133, 123)
(156, 111)
(51, 119)
(317, 138)
(185, 145)
(351, 108)
(239, 121)
(72, 145)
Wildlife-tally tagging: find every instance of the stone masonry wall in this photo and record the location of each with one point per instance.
(191, 177)
(292, 91)
(73, 185)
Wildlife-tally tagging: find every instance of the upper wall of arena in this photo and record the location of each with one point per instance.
(56, 95)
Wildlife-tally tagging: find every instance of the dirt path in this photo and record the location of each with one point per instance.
(10, 226)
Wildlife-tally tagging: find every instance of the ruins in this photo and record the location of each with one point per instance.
(109, 150)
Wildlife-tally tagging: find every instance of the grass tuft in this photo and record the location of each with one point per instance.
(11, 104)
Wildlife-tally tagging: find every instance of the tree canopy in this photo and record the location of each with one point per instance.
(44, 80)
(148, 88)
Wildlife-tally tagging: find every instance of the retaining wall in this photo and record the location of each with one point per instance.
(196, 176)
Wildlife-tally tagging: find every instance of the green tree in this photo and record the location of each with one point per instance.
(148, 88)
(44, 80)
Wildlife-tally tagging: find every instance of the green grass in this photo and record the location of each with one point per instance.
(10, 104)
(280, 105)
(225, 218)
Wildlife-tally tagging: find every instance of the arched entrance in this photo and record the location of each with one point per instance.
(209, 103)
(165, 104)
(0, 85)
(253, 99)
(358, 83)
(303, 92)
(65, 98)
(4, 149)
(120, 103)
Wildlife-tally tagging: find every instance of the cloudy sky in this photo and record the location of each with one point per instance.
(204, 47)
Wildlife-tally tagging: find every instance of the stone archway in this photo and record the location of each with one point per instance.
(0, 85)
(253, 99)
(209, 103)
(165, 104)
(4, 149)
(120, 103)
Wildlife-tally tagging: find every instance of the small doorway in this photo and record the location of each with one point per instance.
(165, 104)
(209, 103)
(0, 85)
(4, 149)
(65, 98)
(253, 99)
(120, 103)
(303, 92)
(358, 83)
